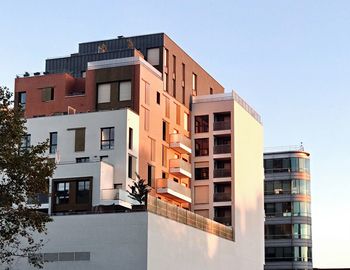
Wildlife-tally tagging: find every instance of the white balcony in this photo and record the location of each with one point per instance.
(174, 190)
(116, 197)
(180, 143)
(180, 168)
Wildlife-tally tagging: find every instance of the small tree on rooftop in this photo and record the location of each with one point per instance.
(24, 173)
(139, 190)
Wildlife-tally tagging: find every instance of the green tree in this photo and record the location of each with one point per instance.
(139, 190)
(24, 173)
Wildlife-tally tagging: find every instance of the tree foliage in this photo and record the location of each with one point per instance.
(139, 190)
(24, 173)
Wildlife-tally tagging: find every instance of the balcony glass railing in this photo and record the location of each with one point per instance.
(116, 194)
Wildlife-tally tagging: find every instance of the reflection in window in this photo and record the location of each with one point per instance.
(53, 142)
(83, 191)
(292, 164)
(107, 138)
(62, 193)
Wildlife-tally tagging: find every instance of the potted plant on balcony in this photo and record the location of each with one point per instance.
(139, 191)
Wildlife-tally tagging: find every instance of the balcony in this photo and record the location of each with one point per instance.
(222, 197)
(222, 149)
(180, 168)
(222, 125)
(180, 143)
(220, 173)
(226, 220)
(173, 190)
(116, 197)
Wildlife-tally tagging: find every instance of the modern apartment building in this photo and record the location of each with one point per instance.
(142, 105)
(288, 238)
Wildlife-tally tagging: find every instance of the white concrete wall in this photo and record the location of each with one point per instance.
(121, 120)
(248, 188)
(115, 241)
(141, 241)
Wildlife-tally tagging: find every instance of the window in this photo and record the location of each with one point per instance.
(278, 231)
(183, 95)
(301, 209)
(174, 64)
(150, 174)
(302, 231)
(201, 123)
(202, 147)
(165, 82)
(79, 145)
(153, 56)
(277, 187)
(132, 167)
(131, 138)
(103, 158)
(82, 159)
(186, 122)
(22, 96)
(47, 94)
(125, 91)
(165, 131)
(104, 93)
(211, 91)
(83, 192)
(107, 138)
(165, 58)
(300, 186)
(62, 192)
(201, 173)
(25, 144)
(194, 84)
(53, 142)
(158, 98)
(293, 164)
(279, 209)
(174, 88)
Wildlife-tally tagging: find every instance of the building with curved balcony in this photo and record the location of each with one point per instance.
(288, 239)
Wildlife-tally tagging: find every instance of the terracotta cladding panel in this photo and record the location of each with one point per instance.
(63, 84)
(204, 80)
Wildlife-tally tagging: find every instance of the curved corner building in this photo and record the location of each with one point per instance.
(288, 241)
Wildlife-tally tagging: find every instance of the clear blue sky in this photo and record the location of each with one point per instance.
(289, 59)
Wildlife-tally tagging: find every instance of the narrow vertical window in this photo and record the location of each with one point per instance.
(178, 114)
(22, 96)
(25, 144)
(146, 119)
(125, 91)
(132, 167)
(53, 142)
(166, 57)
(153, 149)
(165, 82)
(158, 98)
(211, 91)
(164, 156)
(150, 174)
(186, 122)
(147, 93)
(194, 84)
(167, 107)
(131, 138)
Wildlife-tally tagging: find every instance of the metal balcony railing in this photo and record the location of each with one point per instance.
(227, 220)
(218, 173)
(222, 125)
(222, 197)
(222, 149)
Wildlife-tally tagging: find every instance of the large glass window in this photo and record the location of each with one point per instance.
(25, 144)
(278, 231)
(301, 209)
(124, 91)
(300, 186)
(202, 147)
(22, 100)
(83, 191)
(62, 192)
(107, 138)
(201, 123)
(302, 231)
(279, 209)
(293, 164)
(53, 142)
